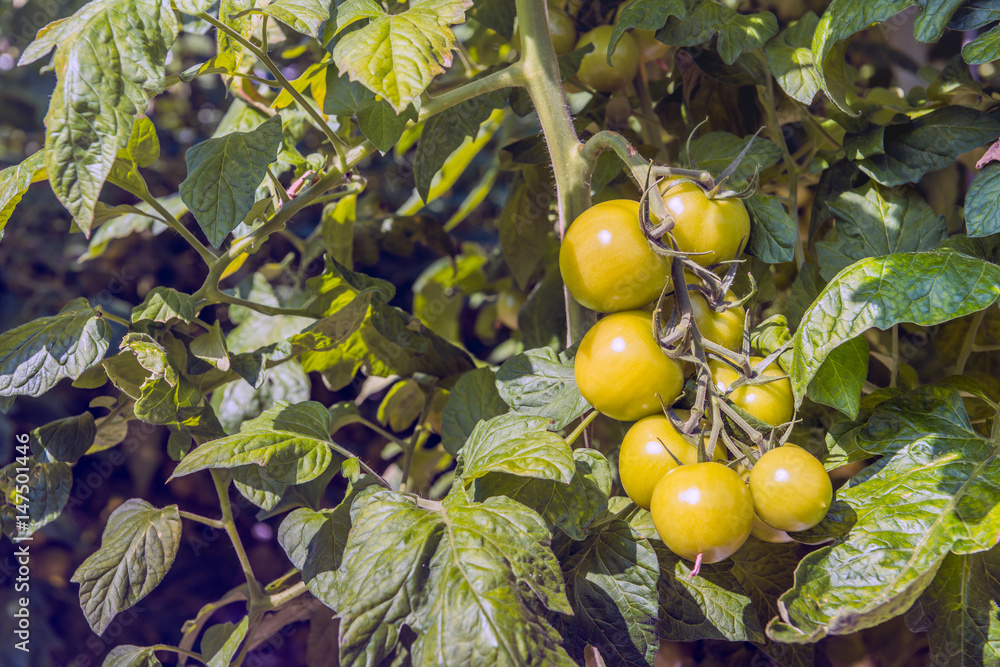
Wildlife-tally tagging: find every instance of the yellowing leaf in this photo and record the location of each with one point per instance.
(397, 55)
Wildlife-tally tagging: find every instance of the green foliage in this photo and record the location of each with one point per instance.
(373, 289)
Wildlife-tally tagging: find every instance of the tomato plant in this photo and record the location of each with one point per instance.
(478, 332)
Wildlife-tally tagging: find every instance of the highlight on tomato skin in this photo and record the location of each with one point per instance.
(702, 512)
(606, 262)
(791, 489)
(621, 370)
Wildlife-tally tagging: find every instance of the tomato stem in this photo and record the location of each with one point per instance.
(584, 423)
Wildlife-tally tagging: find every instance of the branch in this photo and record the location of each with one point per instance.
(509, 77)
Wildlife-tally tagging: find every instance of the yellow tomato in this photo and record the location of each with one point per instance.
(771, 403)
(606, 261)
(620, 368)
(719, 228)
(702, 509)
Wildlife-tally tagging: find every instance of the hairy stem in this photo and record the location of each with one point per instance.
(540, 69)
(508, 77)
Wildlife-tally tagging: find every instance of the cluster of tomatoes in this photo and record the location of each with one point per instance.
(703, 511)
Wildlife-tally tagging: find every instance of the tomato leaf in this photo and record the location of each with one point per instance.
(518, 445)
(765, 571)
(223, 175)
(611, 585)
(922, 288)
(220, 642)
(48, 488)
(738, 33)
(137, 549)
(305, 16)
(982, 212)
(983, 49)
(959, 610)
(711, 605)
(874, 220)
(645, 15)
(773, 233)
(128, 655)
(397, 55)
(790, 58)
(844, 18)
(936, 489)
(471, 579)
(569, 507)
(839, 381)
(379, 122)
(538, 383)
(524, 225)
(898, 154)
(109, 61)
(165, 305)
(37, 355)
(14, 182)
(291, 442)
(64, 439)
(474, 398)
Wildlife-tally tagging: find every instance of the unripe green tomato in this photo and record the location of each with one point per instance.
(725, 328)
(771, 403)
(606, 261)
(704, 509)
(594, 68)
(790, 489)
(562, 30)
(620, 368)
(717, 227)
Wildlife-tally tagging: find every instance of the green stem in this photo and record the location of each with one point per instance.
(420, 435)
(542, 80)
(174, 649)
(214, 523)
(382, 432)
(508, 77)
(969, 342)
(265, 59)
(114, 318)
(206, 255)
(571, 438)
(364, 466)
(894, 365)
(222, 480)
(288, 594)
